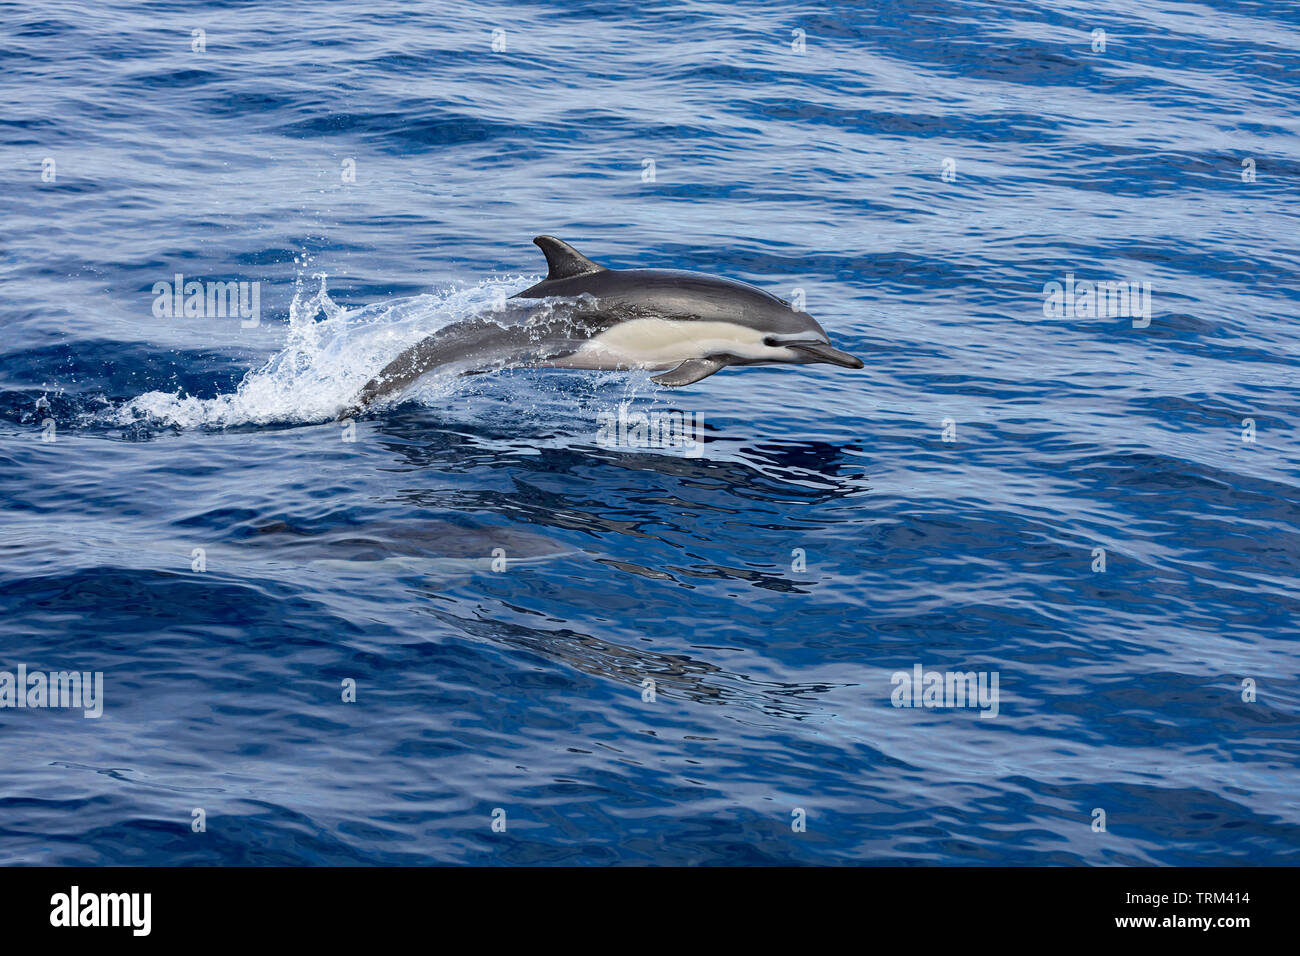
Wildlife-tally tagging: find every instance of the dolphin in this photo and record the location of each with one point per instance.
(585, 316)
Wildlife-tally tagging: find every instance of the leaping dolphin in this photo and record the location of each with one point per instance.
(688, 323)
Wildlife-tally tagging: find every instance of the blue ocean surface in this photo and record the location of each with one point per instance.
(469, 628)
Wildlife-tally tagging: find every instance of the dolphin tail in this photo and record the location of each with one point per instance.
(479, 345)
(473, 346)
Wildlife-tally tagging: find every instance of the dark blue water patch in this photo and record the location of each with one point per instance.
(171, 79)
(397, 131)
(33, 29)
(118, 369)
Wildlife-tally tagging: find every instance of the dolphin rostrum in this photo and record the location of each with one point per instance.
(584, 316)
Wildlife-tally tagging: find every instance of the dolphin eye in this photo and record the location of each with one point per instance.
(770, 341)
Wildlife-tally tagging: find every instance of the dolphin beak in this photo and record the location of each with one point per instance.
(824, 352)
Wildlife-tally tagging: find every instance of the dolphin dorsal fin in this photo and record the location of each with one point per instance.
(563, 260)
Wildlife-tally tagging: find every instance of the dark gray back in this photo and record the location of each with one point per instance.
(681, 295)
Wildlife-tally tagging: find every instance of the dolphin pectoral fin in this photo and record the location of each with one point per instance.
(689, 372)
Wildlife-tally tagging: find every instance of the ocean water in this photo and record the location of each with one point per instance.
(653, 655)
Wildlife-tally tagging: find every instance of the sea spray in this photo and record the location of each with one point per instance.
(329, 352)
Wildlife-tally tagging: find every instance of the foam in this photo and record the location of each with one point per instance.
(329, 353)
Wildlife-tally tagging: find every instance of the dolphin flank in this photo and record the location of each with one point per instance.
(686, 324)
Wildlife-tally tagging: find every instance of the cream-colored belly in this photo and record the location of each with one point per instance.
(665, 343)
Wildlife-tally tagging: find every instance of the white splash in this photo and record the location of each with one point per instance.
(330, 352)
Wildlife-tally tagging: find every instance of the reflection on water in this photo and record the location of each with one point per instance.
(674, 675)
